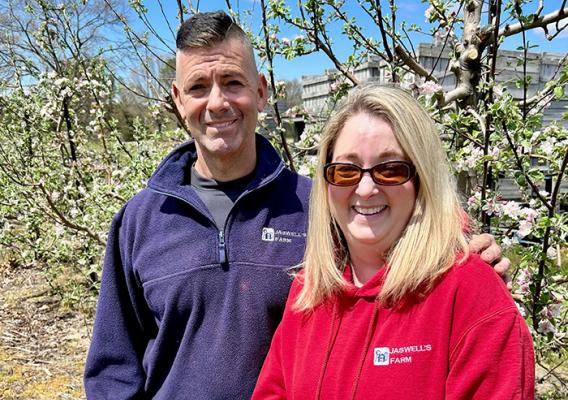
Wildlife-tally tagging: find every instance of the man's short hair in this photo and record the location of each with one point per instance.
(206, 29)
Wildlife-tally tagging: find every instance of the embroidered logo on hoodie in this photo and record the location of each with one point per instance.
(280, 235)
(397, 355)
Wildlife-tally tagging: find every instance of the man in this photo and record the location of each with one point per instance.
(196, 272)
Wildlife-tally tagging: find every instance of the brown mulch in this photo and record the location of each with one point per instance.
(42, 345)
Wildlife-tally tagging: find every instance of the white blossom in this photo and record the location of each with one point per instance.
(512, 210)
(507, 242)
(429, 12)
(547, 146)
(521, 309)
(551, 253)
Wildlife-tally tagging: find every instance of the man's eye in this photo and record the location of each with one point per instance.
(235, 83)
(196, 87)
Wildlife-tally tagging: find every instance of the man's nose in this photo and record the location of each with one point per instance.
(217, 101)
(367, 187)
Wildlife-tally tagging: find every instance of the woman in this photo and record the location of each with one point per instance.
(390, 303)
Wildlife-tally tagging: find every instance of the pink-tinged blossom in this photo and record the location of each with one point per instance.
(525, 228)
(429, 87)
(523, 281)
(530, 214)
(545, 326)
(491, 207)
(439, 37)
(335, 86)
(552, 310)
(472, 155)
(474, 201)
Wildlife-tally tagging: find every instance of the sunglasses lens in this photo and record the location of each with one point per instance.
(391, 173)
(343, 175)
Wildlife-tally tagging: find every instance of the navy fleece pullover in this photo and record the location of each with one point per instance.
(187, 311)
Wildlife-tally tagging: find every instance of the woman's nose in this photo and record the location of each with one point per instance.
(367, 187)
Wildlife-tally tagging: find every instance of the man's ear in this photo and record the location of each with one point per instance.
(262, 92)
(176, 95)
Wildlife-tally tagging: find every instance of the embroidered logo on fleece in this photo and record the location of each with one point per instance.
(397, 355)
(278, 235)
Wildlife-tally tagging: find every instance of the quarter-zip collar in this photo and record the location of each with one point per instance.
(172, 177)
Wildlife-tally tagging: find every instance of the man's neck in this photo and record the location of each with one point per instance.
(225, 170)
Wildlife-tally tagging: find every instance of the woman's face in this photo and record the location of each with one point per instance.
(371, 216)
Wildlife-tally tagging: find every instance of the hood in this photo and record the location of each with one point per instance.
(369, 289)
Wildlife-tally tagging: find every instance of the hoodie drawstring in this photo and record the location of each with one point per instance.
(334, 330)
(366, 346)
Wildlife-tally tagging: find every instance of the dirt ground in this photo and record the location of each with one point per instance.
(42, 346)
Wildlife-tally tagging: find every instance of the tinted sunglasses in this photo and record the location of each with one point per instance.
(388, 173)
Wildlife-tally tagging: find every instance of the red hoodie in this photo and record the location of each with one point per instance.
(465, 340)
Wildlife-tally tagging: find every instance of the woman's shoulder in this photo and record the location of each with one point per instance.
(475, 286)
(473, 271)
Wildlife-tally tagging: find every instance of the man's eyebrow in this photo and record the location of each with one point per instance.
(195, 77)
(232, 73)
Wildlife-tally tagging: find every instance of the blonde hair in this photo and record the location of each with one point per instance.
(434, 235)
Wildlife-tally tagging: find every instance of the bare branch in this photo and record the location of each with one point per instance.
(412, 64)
(459, 93)
(180, 10)
(268, 51)
(538, 22)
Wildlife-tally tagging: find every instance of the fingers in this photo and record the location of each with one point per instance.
(483, 242)
(502, 266)
(490, 252)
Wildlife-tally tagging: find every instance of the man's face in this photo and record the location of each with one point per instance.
(219, 93)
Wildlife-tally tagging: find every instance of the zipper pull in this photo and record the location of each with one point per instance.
(222, 249)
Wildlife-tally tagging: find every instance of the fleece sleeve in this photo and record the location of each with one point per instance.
(113, 368)
(494, 359)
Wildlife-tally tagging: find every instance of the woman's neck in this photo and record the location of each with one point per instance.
(364, 266)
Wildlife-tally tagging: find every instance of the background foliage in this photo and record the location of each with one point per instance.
(85, 116)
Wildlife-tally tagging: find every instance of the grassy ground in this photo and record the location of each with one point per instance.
(42, 347)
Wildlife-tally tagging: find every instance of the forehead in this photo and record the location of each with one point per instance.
(230, 55)
(366, 136)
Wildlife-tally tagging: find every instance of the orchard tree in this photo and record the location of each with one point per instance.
(65, 168)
